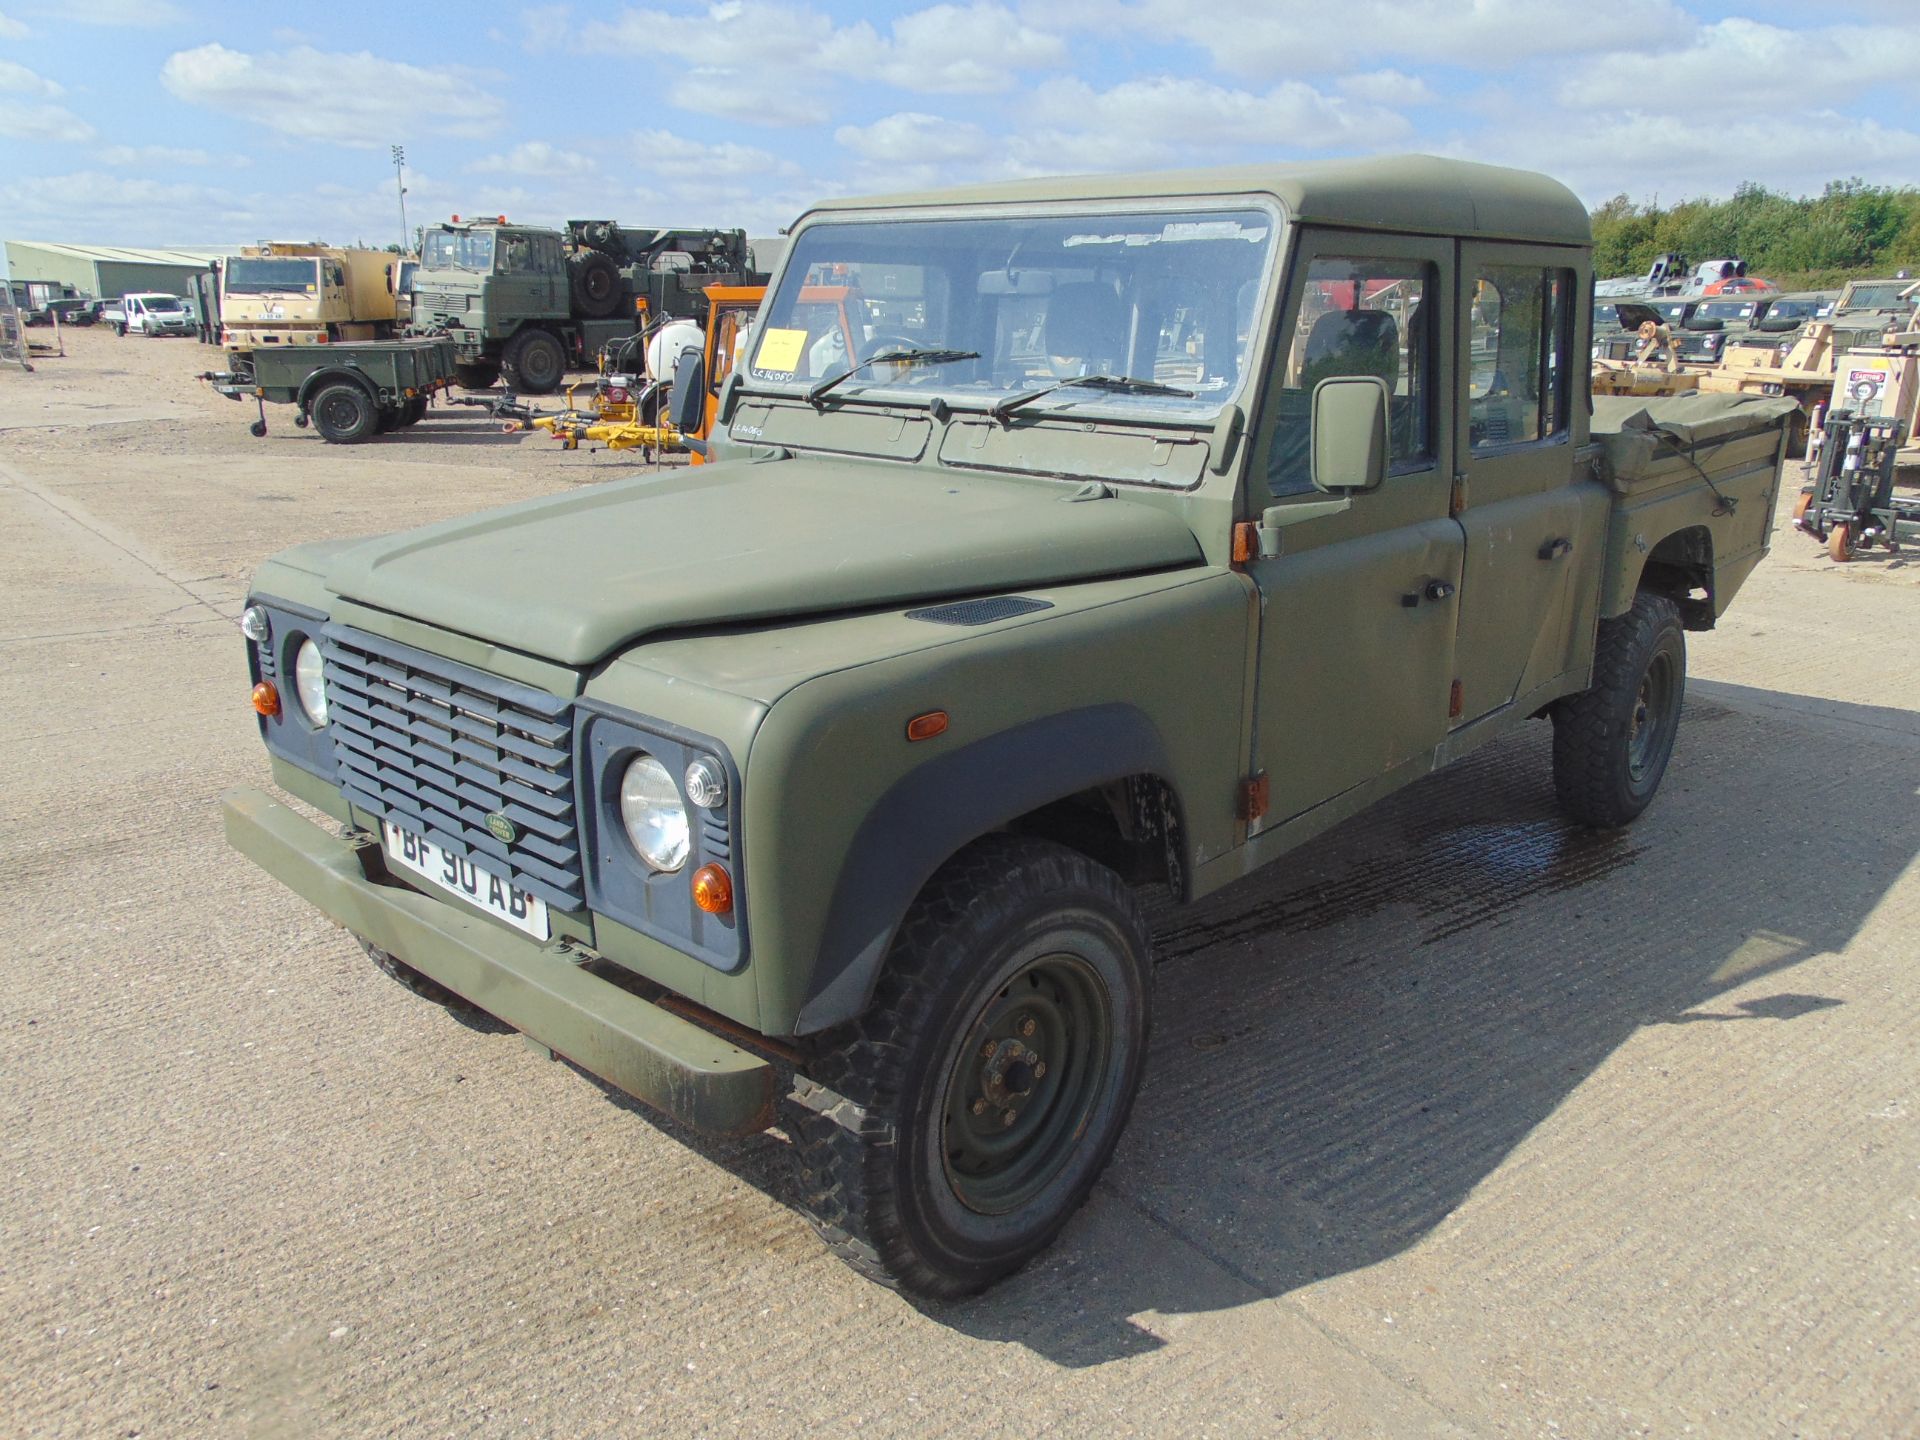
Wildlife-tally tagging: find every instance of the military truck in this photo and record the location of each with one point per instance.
(525, 303)
(288, 292)
(1163, 523)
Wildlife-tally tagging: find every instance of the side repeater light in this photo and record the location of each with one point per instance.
(925, 727)
(266, 699)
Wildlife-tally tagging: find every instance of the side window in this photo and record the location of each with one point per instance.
(1357, 316)
(1518, 376)
(547, 256)
(516, 255)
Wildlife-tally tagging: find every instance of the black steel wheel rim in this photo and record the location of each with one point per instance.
(1031, 1071)
(1651, 719)
(339, 412)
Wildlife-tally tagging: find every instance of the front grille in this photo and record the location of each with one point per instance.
(439, 305)
(437, 747)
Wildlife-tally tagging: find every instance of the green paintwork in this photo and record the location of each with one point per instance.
(670, 1063)
(713, 545)
(762, 601)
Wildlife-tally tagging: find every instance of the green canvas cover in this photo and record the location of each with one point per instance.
(1652, 439)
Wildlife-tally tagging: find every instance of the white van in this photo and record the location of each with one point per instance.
(151, 313)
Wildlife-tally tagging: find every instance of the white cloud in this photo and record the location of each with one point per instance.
(11, 29)
(662, 152)
(1262, 38)
(28, 121)
(1794, 68)
(536, 158)
(772, 62)
(357, 100)
(1388, 87)
(142, 156)
(1171, 119)
(911, 138)
(19, 80)
(1681, 157)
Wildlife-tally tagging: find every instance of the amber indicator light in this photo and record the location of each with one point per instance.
(713, 890)
(266, 699)
(1246, 542)
(925, 727)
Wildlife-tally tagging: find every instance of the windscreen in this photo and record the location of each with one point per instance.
(161, 302)
(458, 250)
(1164, 297)
(246, 276)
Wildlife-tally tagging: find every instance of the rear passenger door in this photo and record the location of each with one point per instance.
(1531, 529)
(1357, 616)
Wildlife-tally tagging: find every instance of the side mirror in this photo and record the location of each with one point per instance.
(1349, 433)
(729, 396)
(690, 392)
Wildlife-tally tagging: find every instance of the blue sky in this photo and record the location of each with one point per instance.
(181, 122)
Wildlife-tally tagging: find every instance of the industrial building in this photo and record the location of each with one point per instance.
(110, 270)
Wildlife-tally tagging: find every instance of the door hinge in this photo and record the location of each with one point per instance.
(1253, 798)
(1458, 500)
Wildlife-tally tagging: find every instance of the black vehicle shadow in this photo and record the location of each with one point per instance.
(1351, 1041)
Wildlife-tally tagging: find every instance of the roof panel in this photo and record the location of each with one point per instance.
(1419, 193)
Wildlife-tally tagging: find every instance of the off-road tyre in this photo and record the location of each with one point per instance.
(534, 363)
(389, 419)
(1612, 741)
(414, 411)
(1010, 931)
(594, 279)
(345, 414)
(476, 375)
(120, 329)
(407, 977)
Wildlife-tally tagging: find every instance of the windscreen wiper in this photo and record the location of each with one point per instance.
(1118, 384)
(892, 357)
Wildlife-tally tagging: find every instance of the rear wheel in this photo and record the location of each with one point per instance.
(534, 363)
(1611, 742)
(414, 410)
(344, 414)
(969, 1112)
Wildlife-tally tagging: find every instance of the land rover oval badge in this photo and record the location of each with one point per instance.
(501, 828)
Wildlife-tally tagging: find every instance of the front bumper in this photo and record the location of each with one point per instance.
(654, 1056)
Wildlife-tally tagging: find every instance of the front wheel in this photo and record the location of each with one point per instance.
(534, 363)
(475, 374)
(1612, 741)
(969, 1112)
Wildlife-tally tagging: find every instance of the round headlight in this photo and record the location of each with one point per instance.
(706, 785)
(651, 809)
(255, 625)
(308, 684)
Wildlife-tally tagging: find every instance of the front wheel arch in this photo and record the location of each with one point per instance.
(1007, 781)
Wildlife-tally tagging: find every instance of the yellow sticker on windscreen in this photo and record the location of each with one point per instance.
(780, 351)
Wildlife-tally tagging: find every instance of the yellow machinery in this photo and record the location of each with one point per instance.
(610, 417)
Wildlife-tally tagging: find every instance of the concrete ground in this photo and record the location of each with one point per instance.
(1459, 1123)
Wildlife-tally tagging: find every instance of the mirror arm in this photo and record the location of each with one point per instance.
(1276, 518)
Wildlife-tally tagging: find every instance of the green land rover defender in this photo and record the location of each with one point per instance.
(1059, 538)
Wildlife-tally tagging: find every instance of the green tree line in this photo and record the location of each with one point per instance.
(1815, 242)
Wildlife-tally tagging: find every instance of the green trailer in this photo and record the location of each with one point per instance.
(348, 393)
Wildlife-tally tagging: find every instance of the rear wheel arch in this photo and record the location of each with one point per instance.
(1096, 780)
(1680, 567)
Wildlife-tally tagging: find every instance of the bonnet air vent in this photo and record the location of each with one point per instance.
(980, 612)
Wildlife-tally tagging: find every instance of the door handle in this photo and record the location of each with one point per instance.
(1556, 549)
(1431, 590)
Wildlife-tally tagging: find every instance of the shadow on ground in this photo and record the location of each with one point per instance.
(1351, 1041)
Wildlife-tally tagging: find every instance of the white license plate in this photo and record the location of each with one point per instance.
(458, 875)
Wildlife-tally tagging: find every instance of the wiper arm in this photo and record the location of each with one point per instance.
(892, 357)
(1119, 384)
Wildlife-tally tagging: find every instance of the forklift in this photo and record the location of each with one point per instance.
(1850, 503)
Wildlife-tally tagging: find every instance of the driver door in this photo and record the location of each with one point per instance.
(1357, 610)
